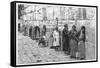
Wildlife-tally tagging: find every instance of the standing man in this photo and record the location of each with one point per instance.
(73, 42)
(56, 43)
(43, 31)
(56, 39)
(65, 40)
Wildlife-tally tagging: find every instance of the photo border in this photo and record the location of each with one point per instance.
(13, 33)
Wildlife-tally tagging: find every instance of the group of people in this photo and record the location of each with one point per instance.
(73, 41)
(70, 42)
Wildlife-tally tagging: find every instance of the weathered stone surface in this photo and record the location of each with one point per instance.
(30, 52)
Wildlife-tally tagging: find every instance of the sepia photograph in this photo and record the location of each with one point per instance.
(49, 33)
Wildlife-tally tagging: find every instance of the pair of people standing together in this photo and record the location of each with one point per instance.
(73, 42)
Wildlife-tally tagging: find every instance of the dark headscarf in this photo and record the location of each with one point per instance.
(65, 25)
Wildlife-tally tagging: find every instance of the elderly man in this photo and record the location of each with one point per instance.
(65, 40)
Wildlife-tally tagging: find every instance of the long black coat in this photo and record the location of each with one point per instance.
(65, 40)
(37, 32)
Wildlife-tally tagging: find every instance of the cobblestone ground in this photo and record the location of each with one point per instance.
(30, 52)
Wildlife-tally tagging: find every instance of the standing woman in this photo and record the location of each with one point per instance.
(81, 44)
(73, 42)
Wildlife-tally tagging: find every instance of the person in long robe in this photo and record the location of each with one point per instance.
(30, 32)
(73, 42)
(25, 30)
(51, 40)
(43, 32)
(19, 27)
(56, 39)
(37, 32)
(81, 44)
(65, 39)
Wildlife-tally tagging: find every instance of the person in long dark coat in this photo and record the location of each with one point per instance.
(65, 39)
(43, 33)
(73, 42)
(37, 32)
(25, 30)
(19, 27)
(30, 32)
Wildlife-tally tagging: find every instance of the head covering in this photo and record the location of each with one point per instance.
(83, 27)
(73, 26)
(65, 25)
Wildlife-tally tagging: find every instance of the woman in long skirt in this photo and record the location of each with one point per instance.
(81, 44)
(73, 42)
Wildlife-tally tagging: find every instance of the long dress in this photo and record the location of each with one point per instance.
(43, 31)
(37, 32)
(56, 38)
(19, 27)
(73, 43)
(27, 29)
(50, 40)
(65, 40)
(25, 32)
(30, 32)
(81, 46)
